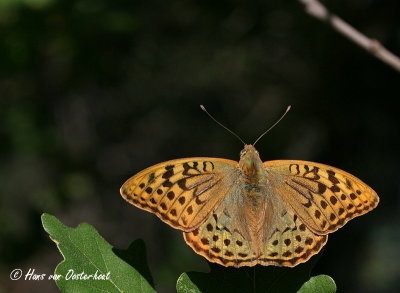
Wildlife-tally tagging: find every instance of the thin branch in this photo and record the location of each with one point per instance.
(317, 10)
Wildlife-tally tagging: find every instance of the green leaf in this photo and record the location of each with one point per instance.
(319, 284)
(86, 252)
(246, 279)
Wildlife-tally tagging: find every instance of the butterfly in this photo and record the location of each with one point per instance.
(251, 212)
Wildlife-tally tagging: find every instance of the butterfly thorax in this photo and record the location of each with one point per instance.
(252, 170)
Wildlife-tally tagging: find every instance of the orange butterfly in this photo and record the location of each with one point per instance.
(249, 212)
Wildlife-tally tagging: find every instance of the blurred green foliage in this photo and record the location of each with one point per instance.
(93, 91)
(256, 279)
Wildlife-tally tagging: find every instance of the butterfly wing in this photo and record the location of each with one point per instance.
(287, 240)
(181, 192)
(324, 197)
(222, 238)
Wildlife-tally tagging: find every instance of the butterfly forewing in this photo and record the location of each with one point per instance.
(324, 197)
(181, 192)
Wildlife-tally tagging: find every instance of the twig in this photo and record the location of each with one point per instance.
(317, 10)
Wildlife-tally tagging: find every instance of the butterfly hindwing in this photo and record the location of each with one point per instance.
(223, 237)
(289, 242)
(324, 197)
(181, 192)
(226, 236)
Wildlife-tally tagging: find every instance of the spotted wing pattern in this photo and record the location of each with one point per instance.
(222, 238)
(290, 242)
(227, 238)
(324, 197)
(181, 192)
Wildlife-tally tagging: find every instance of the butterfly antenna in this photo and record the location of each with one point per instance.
(220, 124)
(265, 132)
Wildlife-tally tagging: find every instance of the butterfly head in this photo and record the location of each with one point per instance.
(250, 161)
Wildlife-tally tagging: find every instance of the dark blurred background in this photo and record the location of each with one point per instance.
(92, 91)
